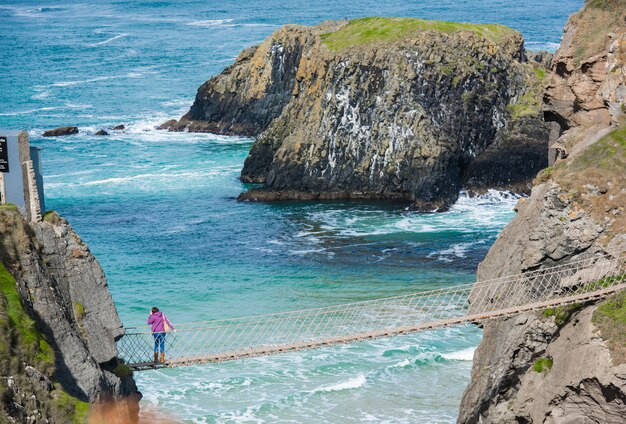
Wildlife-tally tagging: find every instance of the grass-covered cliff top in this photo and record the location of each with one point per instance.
(376, 29)
(591, 24)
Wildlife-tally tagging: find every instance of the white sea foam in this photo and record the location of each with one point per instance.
(401, 364)
(458, 250)
(492, 210)
(353, 383)
(29, 111)
(41, 95)
(96, 79)
(109, 40)
(30, 13)
(181, 104)
(47, 109)
(460, 355)
(148, 181)
(304, 252)
(260, 25)
(209, 22)
(144, 130)
(542, 45)
(156, 175)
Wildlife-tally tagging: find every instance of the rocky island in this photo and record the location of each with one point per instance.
(59, 326)
(381, 108)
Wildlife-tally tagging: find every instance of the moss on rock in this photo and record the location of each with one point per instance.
(76, 410)
(23, 346)
(27, 339)
(562, 314)
(52, 217)
(123, 371)
(609, 153)
(79, 311)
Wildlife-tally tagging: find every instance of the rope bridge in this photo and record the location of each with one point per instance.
(230, 339)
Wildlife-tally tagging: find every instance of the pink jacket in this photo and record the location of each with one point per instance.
(156, 320)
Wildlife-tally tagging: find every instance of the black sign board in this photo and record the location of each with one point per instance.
(4, 155)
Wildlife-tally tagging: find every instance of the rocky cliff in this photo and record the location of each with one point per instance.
(381, 108)
(566, 365)
(59, 323)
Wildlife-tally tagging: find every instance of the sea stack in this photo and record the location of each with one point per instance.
(381, 108)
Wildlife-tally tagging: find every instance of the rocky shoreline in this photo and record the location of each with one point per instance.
(341, 111)
(565, 365)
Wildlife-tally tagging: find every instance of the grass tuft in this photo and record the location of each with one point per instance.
(540, 74)
(528, 105)
(543, 364)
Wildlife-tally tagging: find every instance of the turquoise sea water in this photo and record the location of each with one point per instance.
(159, 209)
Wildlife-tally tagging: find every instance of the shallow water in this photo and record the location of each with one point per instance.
(159, 211)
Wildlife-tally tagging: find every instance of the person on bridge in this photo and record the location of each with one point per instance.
(160, 326)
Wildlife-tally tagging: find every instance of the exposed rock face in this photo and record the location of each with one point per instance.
(588, 69)
(57, 132)
(576, 211)
(516, 153)
(247, 96)
(63, 288)
(101, 132)
(583, 385)
(404, 118)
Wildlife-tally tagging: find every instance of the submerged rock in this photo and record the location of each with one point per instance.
(119, 127)
(167, 124)
(343, 110)
(101, 132)
(61, 131)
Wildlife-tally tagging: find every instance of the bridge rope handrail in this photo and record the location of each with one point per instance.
(229, 338)
(489, 283)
